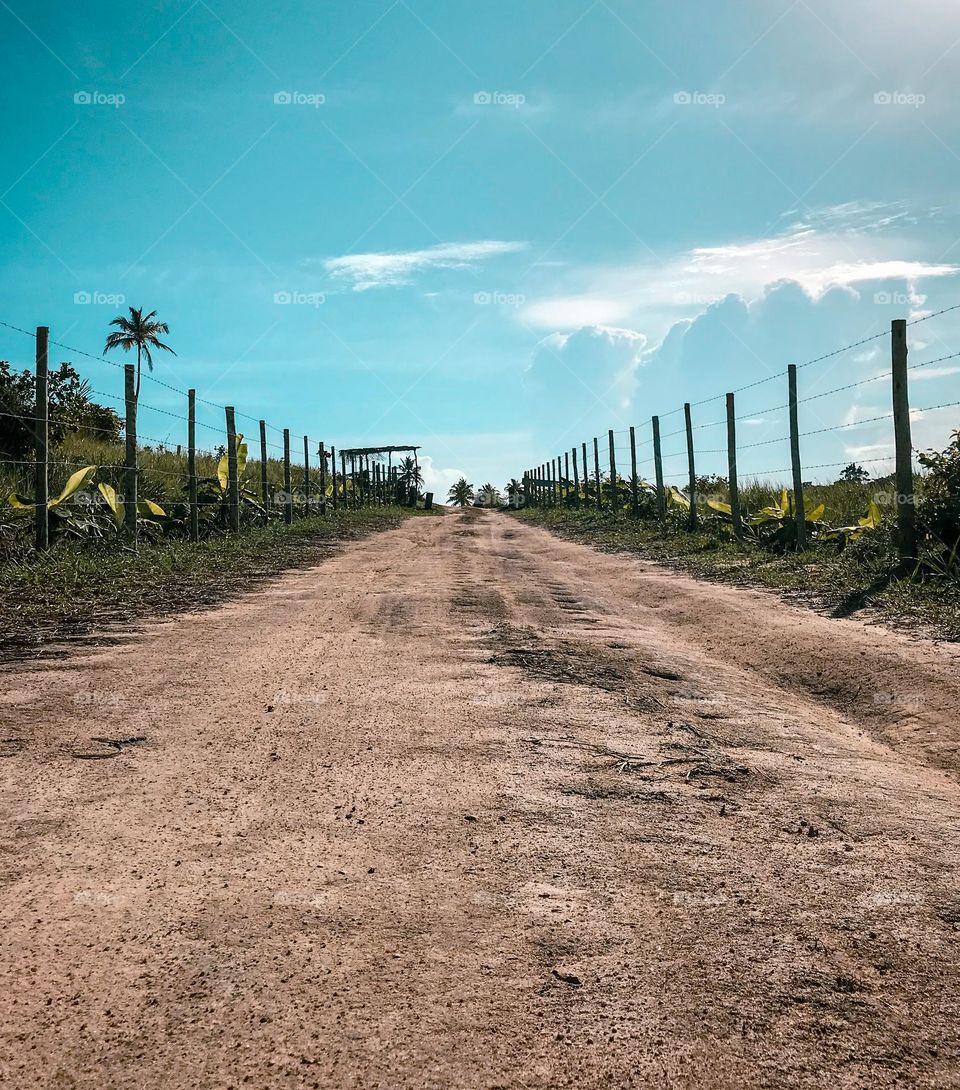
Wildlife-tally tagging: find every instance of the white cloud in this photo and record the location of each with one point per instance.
(846, 246)
(397, 268)
(438, 481)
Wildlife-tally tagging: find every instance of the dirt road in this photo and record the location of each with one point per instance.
(469, 806)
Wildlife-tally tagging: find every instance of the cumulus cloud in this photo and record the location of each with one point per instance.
(400, 267)
(589, 375)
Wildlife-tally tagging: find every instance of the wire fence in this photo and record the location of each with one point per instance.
(213, 485)
(613, 474)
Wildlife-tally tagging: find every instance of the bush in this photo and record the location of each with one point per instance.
(938, 501)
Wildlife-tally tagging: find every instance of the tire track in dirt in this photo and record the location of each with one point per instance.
(476, 807)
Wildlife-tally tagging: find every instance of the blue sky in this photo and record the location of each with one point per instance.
(493, 229)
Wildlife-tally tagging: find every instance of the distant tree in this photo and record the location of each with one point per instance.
(71, 409)
(140, 332)
(854, 474)
(411, 475)
(461, 494)
(488, 496)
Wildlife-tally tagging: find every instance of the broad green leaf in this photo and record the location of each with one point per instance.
(114, 502)
(816, 514)
(223, 472)
(873, 517)
(718, 505)
(148, 507)
(21, 505)
(241, 455)
(76, 482)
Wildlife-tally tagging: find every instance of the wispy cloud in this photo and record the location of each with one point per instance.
(397, 268)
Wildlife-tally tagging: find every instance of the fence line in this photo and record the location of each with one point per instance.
(542, 488)
(363, 485)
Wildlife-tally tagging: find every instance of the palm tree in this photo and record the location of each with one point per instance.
(461, 493)
(410, 474)
(514, 488)
(489, 496)
(142, 332)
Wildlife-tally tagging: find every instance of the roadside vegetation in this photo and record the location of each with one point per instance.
(850, 561)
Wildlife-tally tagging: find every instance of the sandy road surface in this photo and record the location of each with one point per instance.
(469, 806)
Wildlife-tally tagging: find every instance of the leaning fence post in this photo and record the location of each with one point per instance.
(233, 483)
(287, 484)
(41, 493)
(800, 514)
(732, 467)
(192, 465)
(634, 483)
(694, 522)
(658, 468)
(130, 431)
(596, 471)
(906, 510)
(613, 472)
(306, 473)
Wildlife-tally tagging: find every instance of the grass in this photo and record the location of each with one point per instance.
(77, 587)
(842, 583)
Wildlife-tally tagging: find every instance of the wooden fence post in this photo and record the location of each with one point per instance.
(130, 472)
(732, 467)
(333, 476)
(596, 471)
(634, 483)
(566, 475)
(694, 521)
(306, 472)
(41, 487)
(264, 481)
(343, 479)
(586, 474)
(613, 472)
(233, 483)
(906, 509)
(799, 511)
(576, 480)
(658, 468)
(287, 483)
(322, 453)
(192, 465)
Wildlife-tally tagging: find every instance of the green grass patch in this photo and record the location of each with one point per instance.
(77, 587)
(842, 583)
